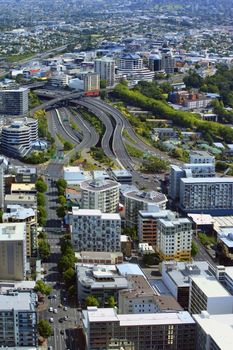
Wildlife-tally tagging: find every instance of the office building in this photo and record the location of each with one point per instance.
(3, 166)
(14, 102)
(92, 230)
(174, 238)
(91, 82)
(131, 66)
(207, 195)
(16, 213)
(18, 326)
(102, 281)
(27, 201)
(122, 176)
(100, 194)
(26, 175)
(12, 251)
(155, 62)
(214, 332)
(167, 61)
(208, 294)
(176, 276)
(137, 200)
(105, 329)
(105, 67)
(103, 258)
(18, 137)
(147, 224)
(140, 297)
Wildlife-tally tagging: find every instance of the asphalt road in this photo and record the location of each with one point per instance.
(62, 337)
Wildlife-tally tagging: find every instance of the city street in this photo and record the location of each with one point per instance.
(63, 330)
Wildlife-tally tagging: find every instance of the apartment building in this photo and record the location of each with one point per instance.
(18, 325)
(140, 297)
(147, 224)
(194, 170)
(138, 200)
(105, 67)
(201, 157)
(174, 239)
(14, 102)
(207, 195)
(16, 213)
(105, 329)
(91, 82)
(214, 332)
(12, 251)
(176, 275)
(100, 194)
(207, 294)
(92, 230)
(2, 181)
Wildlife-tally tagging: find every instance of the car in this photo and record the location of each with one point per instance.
(62, 331)
(54, 296)
(61, 319)
(65, 318)
(51, 320)
(50, 348)
(65, 308)
(50, 309)
(55, 311)
(50, 297)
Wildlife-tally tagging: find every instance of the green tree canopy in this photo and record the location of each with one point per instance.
(62, 200)
(41, 185)
(41, 199)
(44, 249)
(42, 288)
(91, 300)
(44, 328)
(111, 302)
(61, 212)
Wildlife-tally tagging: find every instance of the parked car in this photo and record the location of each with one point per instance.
(51, 320)
(50, 309)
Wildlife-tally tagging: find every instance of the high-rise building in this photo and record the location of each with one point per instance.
(3, 166)
(138, 200)
(12, 251)
(18, 137)
(92, 230)
(207, 294)
(105, 67)
(214, 332)
(212, 195)
(155, 62)
(105, 329)
(147, 225)
(174, 238)
(91, 82)
(131, 66)
(16, 213)
(18, 326)
(100, 194)
(167, 61)
(14, 102)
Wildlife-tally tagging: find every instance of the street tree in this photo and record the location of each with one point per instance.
(60, 211)
(44, 249)
(41, 185)
(44, 328)
(91, 300)
(42, 288)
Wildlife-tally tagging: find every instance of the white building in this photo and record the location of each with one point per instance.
(174, 239)
(91, 82)
(201, 157)
(12, 251)
(214, 332)
(207, 294)
(92, 230)
(137, 200)
(207, 195)
(105, 67)
(74, 175)
(100, 194)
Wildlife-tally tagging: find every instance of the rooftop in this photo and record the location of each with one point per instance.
(219, 327)
(18, 301)
(12, 231)
(210, 286)
(21, 187)
(121, 173)
(98, 185)
(174, 222)
(18, 213)
(20, 197)
(94, 314)
(146, 197)
(207, 180)
(202, 219)
(95, 212)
